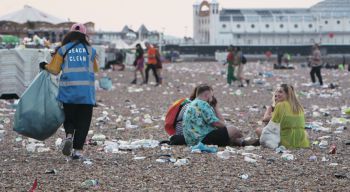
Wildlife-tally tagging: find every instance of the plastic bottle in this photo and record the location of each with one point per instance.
(90, 183)
(224, 154)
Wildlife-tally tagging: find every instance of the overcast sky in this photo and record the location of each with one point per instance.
(172, 16)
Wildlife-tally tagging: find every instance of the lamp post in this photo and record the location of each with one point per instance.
(161, 34)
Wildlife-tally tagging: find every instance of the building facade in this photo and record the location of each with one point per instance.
(30, 21)
(326, 23)
(127, 35)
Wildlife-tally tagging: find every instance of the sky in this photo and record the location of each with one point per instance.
(173, 17)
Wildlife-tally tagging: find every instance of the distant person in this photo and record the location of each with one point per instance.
(201, 124)
(159, 67)
(316, 65)
(230, 68)
(240, 66)
(138, 63)
(152, 62)
(279, 58)
(77, 61)
(117, 64)
(286, 59)
(289, 114)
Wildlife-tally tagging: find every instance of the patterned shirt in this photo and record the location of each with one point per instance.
(197, 121)
(179, 119)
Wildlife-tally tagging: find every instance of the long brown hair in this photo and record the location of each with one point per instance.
(292, 98)
(75, 36)
(201, 88)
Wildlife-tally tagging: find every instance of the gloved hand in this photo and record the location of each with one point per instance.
(42, 65)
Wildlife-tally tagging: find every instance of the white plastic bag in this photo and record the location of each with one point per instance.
(270, 136)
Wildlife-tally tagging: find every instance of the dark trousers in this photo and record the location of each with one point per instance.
(77, 122)
(154, 69)
(317, 71)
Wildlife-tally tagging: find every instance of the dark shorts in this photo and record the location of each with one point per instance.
(217, 137)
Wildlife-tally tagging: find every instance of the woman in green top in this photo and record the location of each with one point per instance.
(289, 113)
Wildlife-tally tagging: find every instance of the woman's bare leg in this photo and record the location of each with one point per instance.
(235, 135)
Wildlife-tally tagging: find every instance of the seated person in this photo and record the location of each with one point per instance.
(178, 138)
(289, 114)
(200, 123)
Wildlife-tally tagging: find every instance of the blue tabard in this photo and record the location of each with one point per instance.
(77, 81)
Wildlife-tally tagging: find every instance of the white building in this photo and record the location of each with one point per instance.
(327, 22)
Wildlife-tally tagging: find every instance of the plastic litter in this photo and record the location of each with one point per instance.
(339, 121)
(266, 74)
(270, 160)
(244, 176)
(139, 158)
(111, 147)
(165, 147)
(87, 162)
(181, 162)
(231, 150)
(313, 158)
(202, 148)
(316, 126)
(224, 155)
(6, 120)
(51, 171)
(128, 125)
(106, 83)
(161, 160)
(249, 160)
(134, 90)
(280, 149)
(333, 164)
(18, 139)
(323, 144)
(251, 155)
(287, 157)
(316, 114)
(90, 183)
(58, 143)
(340, 175)
(238, 92)
(31, 147)
(250, 148)
(342, 128)
(347, 111)
(43, 149)
(324, 137)
(98, 137)
(144, 143)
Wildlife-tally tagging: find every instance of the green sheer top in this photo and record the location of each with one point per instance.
(293, 134)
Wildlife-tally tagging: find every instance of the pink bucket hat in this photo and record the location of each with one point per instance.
(78, 27)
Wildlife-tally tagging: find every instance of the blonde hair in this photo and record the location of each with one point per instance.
(274, 98)
(292, 98)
